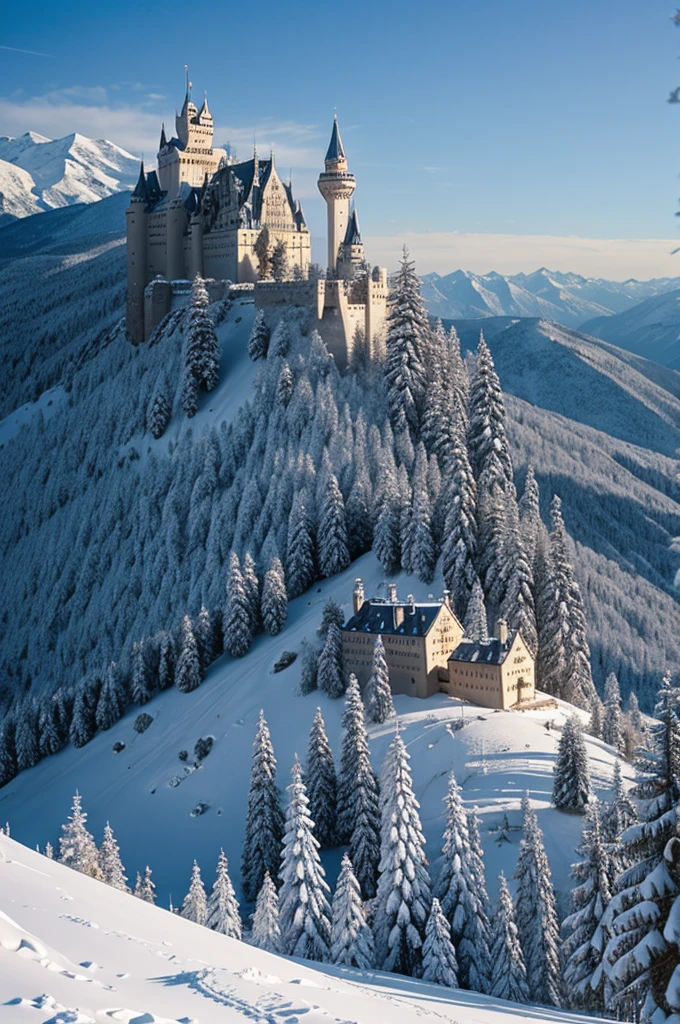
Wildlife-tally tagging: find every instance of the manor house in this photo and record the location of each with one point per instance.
(427, 652)
(203, 212)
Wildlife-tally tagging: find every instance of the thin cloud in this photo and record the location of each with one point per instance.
(30, 53)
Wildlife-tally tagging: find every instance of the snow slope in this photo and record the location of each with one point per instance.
(79, 952)
(40, 174)
(650, 329)
(566, 298)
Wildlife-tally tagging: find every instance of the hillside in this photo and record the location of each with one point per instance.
(566, 298)
(38, 174)
(98, 954)
(650, 329)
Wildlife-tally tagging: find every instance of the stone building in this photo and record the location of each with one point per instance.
(202, 212)
(418, 639)
(427, 652)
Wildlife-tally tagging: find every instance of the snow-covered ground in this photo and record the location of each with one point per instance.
(46, 404)
(74, 951)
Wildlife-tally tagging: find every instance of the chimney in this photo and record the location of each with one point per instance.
(502, 631)
(392, 593)
(447, 598)
(398, 615)
(358, 596)
(412, 604)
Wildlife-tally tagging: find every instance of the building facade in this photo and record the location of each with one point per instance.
(427, 652)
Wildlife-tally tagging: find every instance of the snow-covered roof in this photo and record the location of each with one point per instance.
(379, 617)
(486, 652)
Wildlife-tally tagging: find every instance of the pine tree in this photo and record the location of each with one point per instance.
(332, 612)
(459, 547)
(509, 971)
(204, 631)
(188, 674)
(478, 873)
(160, 412)
(274, 606)
(611, 723)
(279, 262)
(83, 720)
(189, 394)
(264, 820)
(8, 753)
(259, 337)
(52, 724)
(141, 686)
(439, 957)
(351, 938)
(49, 851)
(536, 912)
(596, 716)
(251, 586)
(517, 604)
(617, 815)
(572, 790)
(638, 959)
(475, 624)
(586, 933)
(309, 657)
(266, 932)
(77, 848)
(222, 913)
(112, 699)
(406, 346)
(402, 905)
(144, 887)
(27, 739)
(262, 250)
(237, 625)
(110, 864)
(321, 783)
(300, 567)
(418, 551)
(462, 893)
(379, 704)
(195, 905)
(284, 386)
(304, 909)
(166, 660)
(488, 446)
(333, 549)
(330, 674)
(530, 514)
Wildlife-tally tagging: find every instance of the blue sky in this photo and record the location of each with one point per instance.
(488, 135)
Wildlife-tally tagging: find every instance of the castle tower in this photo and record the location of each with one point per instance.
(337, 187)
(136, 232)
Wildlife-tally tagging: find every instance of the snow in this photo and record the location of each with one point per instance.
(47, 404)
(157, 968)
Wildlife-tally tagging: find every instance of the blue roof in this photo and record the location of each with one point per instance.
(378, 617)
(353, 234)
(335, 150)
(483, 652)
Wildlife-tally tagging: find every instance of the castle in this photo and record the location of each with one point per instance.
(203, 212)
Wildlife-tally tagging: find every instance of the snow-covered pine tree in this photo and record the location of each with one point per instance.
(379, 703)
(611, 722)
(27, 738)
(166, 660)
(112, 699)
(530, 514)
(52, 723)
(418, 551)
(237, 625)
(251, 585)
(439, 957)
(517, 603)
(204, 631)
(459, 544)
(160, 412)
(586, 935)
(509, 971)
(403, 901)
(478, 872)
(358, 515)
(309, 656)
(110, 864)
(188, 674)
(387, 534)
(77, 848)
(141, 684)
(304, 911)
(189, 393)
(274, 605)
(279, 262)
(285, 385)
(330, 669)
(475, 624)
(300, 564)
(487, 441)
(461, 899)
(264, 819)
(144, 887)
(195, 905)
(596, 716)
(351, 937)
(332, 612)
(222, 913)
(202, 356)
(638, 960)
(266, 932)
(536, 914)
(407, 345)
(332, 535)
(259, 337)
(83, 720)
(572, 790)
(321, 783)
(49, 851)
(617, 815)
(8, 752)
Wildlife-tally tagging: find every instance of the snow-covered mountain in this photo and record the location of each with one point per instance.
(80, 952)
(39, 174)
(567, 298)
(650, 329)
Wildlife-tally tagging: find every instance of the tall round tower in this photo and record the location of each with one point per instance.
(337, 186)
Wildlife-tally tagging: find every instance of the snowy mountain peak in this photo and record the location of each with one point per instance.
(37, 173)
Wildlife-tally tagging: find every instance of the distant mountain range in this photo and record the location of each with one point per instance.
(567, 298)
(650, 329)
(38, 174)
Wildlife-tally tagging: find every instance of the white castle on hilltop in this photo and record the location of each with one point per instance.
(202, 212)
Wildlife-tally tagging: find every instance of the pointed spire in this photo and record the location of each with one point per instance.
(140, 193)
(205, 110)
(353, 234)
(164, 140)
(335, 150)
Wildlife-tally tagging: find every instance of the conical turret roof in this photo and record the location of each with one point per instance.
(353, 234)
(335, 148)
(140, 192)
